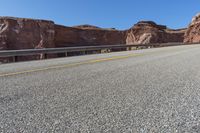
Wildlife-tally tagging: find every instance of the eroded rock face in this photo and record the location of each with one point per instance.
(82, 36)
(18, 33)
(146, 32)
(192, 34)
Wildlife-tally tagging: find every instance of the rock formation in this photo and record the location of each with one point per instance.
(192, 35)
(19, 33)
(143, 32)
(82, 36)
(146, 32)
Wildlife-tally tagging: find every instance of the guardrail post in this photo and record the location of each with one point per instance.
(14, 59)
(45, 56)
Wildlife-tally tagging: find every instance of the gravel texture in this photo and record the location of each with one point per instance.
(158, 91)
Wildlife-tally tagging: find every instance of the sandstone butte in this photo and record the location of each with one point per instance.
(22, 33)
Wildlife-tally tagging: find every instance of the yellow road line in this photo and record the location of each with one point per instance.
(81, 63)
(69, 65)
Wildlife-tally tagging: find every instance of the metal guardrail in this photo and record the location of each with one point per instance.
(26, 52)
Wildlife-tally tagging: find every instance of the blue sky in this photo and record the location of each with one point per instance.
(120, 14)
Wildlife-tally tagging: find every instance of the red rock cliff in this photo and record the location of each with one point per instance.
(143, 32)
(192, 34)
(146, 32)
(19, 33)
(81, 36)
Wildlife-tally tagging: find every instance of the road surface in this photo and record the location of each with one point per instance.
(152, 90)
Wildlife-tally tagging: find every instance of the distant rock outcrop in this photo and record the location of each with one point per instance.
(192, 35)
(146, 32)
(86, 26)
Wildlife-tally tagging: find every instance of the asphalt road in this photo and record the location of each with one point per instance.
(152, 90)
